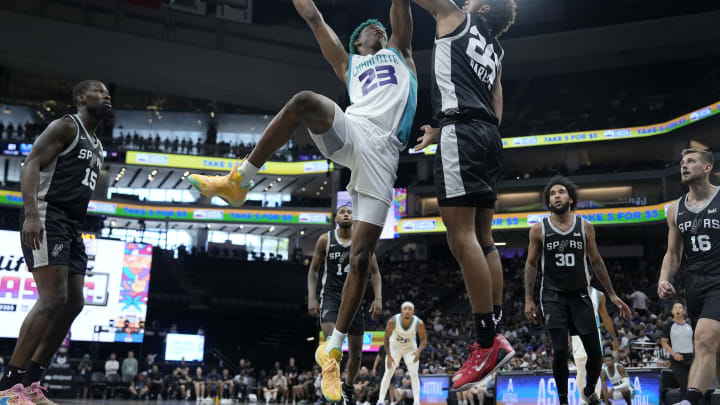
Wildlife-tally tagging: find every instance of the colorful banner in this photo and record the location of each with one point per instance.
(112, 313)
(601, 134)
(371, 341)
(225, 164)
(540, 388)
(184, 213)
(520, 220)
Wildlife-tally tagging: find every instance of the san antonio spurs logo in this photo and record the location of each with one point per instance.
(695, 225)
(563, 245)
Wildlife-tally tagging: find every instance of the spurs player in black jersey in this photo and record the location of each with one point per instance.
(332, 254)
(467, 103)
(694, 243)
(57, 181)
(564, 243)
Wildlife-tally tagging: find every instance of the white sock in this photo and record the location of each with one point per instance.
(336, 341)
(249, 171)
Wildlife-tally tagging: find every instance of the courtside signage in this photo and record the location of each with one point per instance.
(225, 164)
(159, 212)
(520, 220)
(602, 134)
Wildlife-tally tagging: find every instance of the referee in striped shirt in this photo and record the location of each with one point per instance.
(677, 339)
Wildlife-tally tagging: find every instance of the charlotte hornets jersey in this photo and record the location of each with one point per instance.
(564, 265)
(383, 90)
(616, 379)
(337, 266)
(700, 230)
(69, 180)
(464, 67)
(404, 337)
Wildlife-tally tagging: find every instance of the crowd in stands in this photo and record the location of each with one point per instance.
(149, 143)
(435, 286)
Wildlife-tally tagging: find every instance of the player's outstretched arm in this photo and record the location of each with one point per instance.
(402, 31)
(446, 13)
(328, 40)
(497, 96)
(376, 281)
(534, 249)
(46, 148)
(314, 272)
(440, 8)
(607, 320)
(673, 255)
(598, 266)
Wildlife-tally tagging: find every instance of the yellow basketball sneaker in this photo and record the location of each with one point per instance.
(330, 383)
(226, 187)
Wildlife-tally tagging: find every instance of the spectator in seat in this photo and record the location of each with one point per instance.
(112, 365)
(362, 386)
(83, 375)
(291, 372)
(213, 383)
(129, 366)
(199, 383)
(281, 383)
(139, 387)
(639, 302)
(149, 361)
(157, 383)
(185, 382)
(299, 390)
(404, 391)
(270, 393)
(227, 384)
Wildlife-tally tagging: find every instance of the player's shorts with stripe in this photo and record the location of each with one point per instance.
(329, 308)
(568, 310)
(468, 163)
(371, 154)
(61, 243)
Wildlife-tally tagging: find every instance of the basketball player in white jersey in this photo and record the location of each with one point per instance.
(579, 353)
(367, 138)
(400, 341)
(618, 377)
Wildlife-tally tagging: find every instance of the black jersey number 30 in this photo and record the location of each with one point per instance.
(90, 179)
(565, 259)
(483, 57)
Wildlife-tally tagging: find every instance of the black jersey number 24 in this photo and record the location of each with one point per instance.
(483, 57)
(90, 178)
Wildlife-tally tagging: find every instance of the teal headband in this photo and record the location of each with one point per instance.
(359, 29)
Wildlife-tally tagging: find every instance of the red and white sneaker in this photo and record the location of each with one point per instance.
(482, 363)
